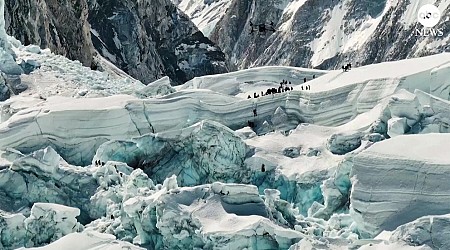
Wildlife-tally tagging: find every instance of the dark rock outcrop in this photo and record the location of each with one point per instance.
(146, 39)
(60, 25)
(150, 39)
(324, 34)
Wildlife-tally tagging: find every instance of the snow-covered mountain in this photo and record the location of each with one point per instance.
(320, 34)
(146, 39)
(204, 13)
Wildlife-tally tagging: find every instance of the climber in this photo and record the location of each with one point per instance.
(263, 168)
(314, 76)
(292, 88)
(249, 97)
(255, 113)
(251, 124)
(112, 217)
(345, 68)
(262, 93)
(103, 164)
(287, 89)
(349, 66)
(304, 79)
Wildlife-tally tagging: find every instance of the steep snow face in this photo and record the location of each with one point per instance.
(392, 187)
(151, 39)
(325, 35)
(56, 75)
(204, 14)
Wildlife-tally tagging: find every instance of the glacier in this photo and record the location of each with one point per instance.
(97, 160)
(347, 95)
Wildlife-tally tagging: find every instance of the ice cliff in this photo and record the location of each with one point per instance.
(339, 98)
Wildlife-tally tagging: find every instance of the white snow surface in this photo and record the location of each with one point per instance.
(88, 240)
(246, 82)
(204, 13)
(60, 76)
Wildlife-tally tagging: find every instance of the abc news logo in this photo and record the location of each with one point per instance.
(429, 16)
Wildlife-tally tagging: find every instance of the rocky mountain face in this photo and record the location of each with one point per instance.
(320, 34)
(60, 25)
(147, 39)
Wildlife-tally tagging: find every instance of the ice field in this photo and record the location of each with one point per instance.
(358, 161)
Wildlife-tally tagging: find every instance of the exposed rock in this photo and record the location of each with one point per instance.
(150, 39)
(146, 39)
(59, 25)
(320, 34)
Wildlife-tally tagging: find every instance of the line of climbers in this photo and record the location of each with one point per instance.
(99, 163)
(282, 88)
(305, 79)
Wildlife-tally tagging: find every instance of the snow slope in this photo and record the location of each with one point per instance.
(322, 34)
(89, 240)
(204, 14)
